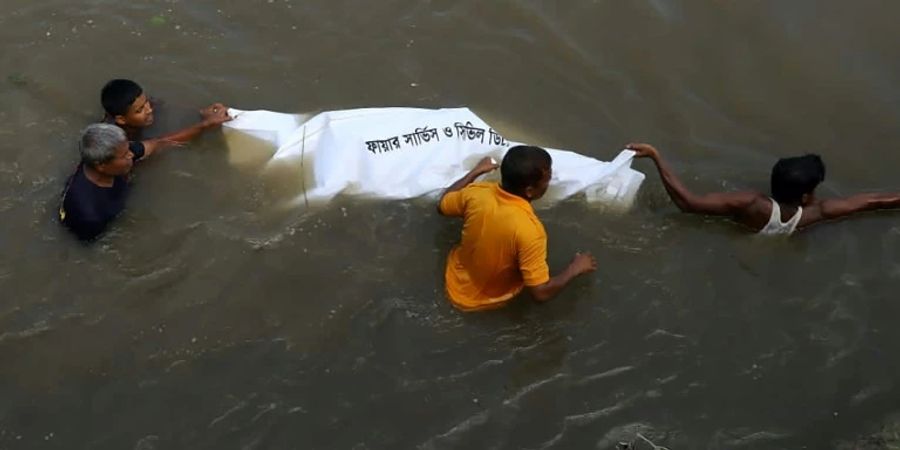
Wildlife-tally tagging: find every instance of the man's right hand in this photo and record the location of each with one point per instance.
(486, 165)
(642, 150)
(583, 263)
(215, 114)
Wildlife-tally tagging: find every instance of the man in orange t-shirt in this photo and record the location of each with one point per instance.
(504, 245)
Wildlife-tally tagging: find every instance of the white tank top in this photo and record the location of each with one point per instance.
(776, 227)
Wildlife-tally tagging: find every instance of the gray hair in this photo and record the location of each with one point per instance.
(99, 142)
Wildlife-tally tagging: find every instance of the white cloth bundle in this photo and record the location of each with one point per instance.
(399, 153)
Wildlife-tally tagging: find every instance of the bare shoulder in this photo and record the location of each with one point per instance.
(753, 199)
(751, 203)
(753, 209)
(812, 214)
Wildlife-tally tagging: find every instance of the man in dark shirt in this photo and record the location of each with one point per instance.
(96, 193)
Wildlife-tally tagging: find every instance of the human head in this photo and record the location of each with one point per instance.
(526, 171)
(794, 180)
(104, 148)
(126, 104)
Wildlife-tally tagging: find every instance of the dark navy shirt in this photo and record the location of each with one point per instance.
(87, 208)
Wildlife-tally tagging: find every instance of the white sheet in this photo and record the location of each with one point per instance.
(399, 153)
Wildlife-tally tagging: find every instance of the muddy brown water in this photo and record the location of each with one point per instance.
(208, 318)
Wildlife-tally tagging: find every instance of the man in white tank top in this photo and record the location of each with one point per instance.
(791, 206)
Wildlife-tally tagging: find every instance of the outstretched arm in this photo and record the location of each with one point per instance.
(484, 166)
(717, 204)
(213, 116)
(837, 208)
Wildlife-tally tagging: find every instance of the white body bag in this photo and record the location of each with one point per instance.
(401, 153)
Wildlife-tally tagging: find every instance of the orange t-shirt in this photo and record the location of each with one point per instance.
(503, 248)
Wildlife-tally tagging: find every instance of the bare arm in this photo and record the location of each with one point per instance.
(582, 263)
(716, 204)
(484, 166)
(836, 208)
(213, 116)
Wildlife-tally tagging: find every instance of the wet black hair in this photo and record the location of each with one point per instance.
(523, 166)
(792, 178)
(118, 95)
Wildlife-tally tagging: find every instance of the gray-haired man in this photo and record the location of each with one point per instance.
(96, 193)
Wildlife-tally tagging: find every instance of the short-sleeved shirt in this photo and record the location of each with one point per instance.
(86, 208)
(503, 248)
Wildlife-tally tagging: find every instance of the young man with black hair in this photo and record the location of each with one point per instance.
(128, 106)
(792, 206)
(504, 245)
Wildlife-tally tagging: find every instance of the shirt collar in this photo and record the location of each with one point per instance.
(513, 198)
